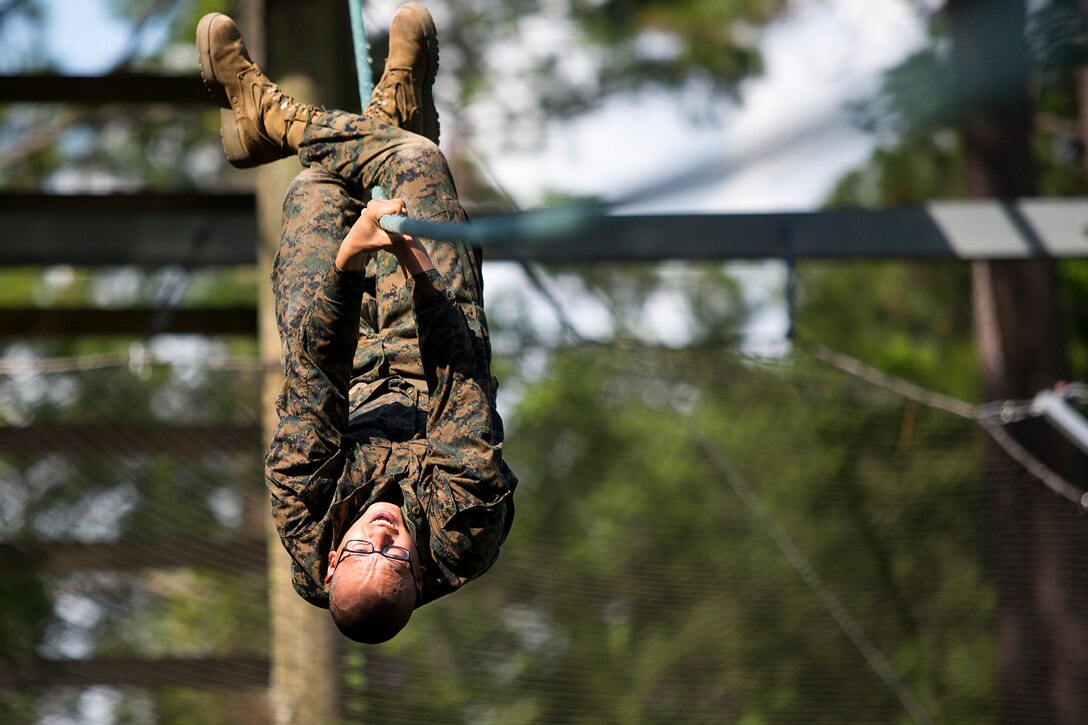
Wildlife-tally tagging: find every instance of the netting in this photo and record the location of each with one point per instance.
(701, 536)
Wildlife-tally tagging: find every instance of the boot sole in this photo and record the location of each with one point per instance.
(204, 58)
(228, 127)
(432, 72)
(430, 34)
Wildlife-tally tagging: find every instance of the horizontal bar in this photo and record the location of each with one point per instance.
(128, 322)
(130, 439)
(206, 672)
(178, 90)
(194, 230)
(151, 230)
(965, 230)
(59, 557)
(146, 202)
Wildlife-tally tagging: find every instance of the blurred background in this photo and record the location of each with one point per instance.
(754, 489)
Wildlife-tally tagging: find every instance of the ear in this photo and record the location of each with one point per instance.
(333, 556)
(419, 579)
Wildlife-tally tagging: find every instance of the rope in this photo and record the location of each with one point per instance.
(991, 416)
(532, 271)
(529, 226)
(815, 582)
(362, 51)
(900, 387)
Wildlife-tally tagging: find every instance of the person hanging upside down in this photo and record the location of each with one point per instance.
(386, 471)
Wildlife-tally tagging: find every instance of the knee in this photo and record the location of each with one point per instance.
(419, 173)
(419, 150)
(309, 183)
(319, 203)
(415, 159)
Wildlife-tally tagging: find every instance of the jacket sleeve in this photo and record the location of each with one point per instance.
(466, 487)
(306, 459)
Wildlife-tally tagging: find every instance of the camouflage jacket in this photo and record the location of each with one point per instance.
(322, 470)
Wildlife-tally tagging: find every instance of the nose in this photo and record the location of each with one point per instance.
(381, 537)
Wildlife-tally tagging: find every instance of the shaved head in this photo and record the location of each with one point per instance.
(370, 606)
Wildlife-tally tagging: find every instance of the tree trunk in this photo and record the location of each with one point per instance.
(1042, 632)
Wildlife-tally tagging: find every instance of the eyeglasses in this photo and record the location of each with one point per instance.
(362, 546)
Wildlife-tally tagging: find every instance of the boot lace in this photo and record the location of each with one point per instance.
(276, 97)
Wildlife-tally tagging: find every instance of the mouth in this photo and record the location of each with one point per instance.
(383, 518)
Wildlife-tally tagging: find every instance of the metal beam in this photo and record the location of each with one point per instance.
(59, 557)
(27, 322)
(226, 672)
(191, 230)
(199, 230)
(175, 90)
(940, 230)
(129, 439)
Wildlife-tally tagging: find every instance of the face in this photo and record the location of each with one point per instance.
(382, 524)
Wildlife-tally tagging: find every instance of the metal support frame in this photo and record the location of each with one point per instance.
(215, 229)
(1057, 411)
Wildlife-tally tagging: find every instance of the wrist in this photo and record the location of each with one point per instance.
(413, 258)
(349, 259)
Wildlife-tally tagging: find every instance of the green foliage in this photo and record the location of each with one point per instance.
(62, 499)
(1073, 275)
(912, 172)
(917, 97)
(637, 586)
(625, 45)
(24, 617)
(694, 36)
(914, 321)
(909, 320)
(1056, 36)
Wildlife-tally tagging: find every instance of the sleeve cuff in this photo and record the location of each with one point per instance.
(333, 317)
(343, 288)
(429, 293)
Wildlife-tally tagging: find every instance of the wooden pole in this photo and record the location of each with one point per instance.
(307, 50)
(303, 677)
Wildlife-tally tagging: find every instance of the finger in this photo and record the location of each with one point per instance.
(386, 206)
(400, 204)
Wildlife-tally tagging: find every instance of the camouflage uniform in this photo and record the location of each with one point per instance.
(388, 392)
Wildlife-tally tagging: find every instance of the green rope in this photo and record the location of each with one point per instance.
(529, 226)
(362, 51)
(524, 227)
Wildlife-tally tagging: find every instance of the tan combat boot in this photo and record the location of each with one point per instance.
(403, 96)
(258, 123)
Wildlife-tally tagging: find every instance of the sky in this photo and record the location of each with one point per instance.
(782, 147)
(785, 144)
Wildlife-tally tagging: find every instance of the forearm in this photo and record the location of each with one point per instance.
(467, 486)
(462, 426)
(413, 259)
(313, 404)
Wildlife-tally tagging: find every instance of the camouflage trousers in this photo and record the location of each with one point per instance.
(345, 155)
